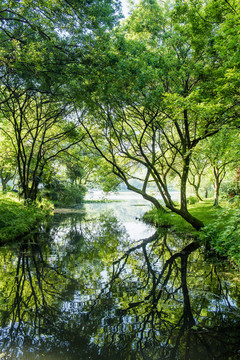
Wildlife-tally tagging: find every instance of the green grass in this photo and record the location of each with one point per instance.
(16, 219)
(204, 210)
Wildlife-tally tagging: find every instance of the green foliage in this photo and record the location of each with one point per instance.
(232, 196)
(192, 200)
(45, 36)
(158, 218)
(48, 49)
(63, 193)
(224, 234)
(235, 201)
(232, 190)
(108, 181)
(17, 219)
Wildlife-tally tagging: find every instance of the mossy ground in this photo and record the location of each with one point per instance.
(16, 219)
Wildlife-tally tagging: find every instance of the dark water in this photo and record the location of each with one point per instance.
(82, 288)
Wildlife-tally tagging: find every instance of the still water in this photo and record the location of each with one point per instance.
(99, 284)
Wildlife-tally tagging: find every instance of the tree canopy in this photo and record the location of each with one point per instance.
(160, 95)
(147, 91)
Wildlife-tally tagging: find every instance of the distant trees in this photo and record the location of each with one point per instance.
(213, 159)
(197, 170)
(222, 154)
(8, 167)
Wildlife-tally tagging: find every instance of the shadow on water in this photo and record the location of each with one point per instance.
(83, 289)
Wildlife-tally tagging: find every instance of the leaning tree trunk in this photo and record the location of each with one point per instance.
(185, 214)
(146, 196)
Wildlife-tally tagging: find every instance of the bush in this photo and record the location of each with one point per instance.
(157, 218)
(192, 200)
(224, 234)
(231, 193)
(64, 193)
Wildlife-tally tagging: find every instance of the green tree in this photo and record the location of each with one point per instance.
(44, 43)
(8, 165)
(222, 152)
(34, 124)
(197, 170)
(159, 98)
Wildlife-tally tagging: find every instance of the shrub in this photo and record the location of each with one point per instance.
(64, 193)
(224, 234)
(16, 219)
(157, 218)
(192, 200)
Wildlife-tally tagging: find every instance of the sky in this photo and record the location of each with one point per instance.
(125, 7)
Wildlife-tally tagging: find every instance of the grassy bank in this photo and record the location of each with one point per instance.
(222, 226)
(201, 210)
(16, 219)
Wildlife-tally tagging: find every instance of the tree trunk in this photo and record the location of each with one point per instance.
(4, 184)
(216, 195)
(196, 223)
(184, 179)
(150, 198)
(217, 185)
(196, 189)
(183, 211)
(4, 180)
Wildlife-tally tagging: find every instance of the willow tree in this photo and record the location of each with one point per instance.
(159, 97)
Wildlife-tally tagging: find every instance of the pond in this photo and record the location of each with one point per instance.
(100, 284)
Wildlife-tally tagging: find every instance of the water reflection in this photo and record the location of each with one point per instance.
(82, 289)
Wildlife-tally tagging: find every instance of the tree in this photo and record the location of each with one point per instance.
(8, 164)
(83, 166)
(44, 42)
(158, 98)
(43, 45)
(35, 124)
(222, 152)
(196, 171)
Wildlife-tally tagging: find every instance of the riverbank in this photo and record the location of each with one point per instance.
(16, 219)
(222, 226)
(202, 210)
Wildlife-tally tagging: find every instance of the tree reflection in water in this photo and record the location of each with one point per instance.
(87, 292)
